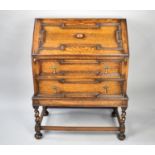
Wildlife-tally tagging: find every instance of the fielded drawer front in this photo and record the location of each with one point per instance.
(56, 35)
(80, 86)
(86, 68)
(80, 63)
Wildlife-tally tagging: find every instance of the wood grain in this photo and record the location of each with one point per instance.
(80, 63)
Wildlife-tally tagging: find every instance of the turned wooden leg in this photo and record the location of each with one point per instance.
(114, 113)
(38, 134)
(121, 135)
(45, 112)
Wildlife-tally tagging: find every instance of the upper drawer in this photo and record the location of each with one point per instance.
(81, 68)
(80, 36)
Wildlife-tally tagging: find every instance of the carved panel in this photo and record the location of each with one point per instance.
(81, 36)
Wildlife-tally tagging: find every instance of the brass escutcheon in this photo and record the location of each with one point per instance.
(54, 88)
(106, 68)
(54, 69)
(105, 89)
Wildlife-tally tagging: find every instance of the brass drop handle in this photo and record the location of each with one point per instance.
(106, 68)
(106, 89)
(80, 35)
(54, 88)
(54, 68)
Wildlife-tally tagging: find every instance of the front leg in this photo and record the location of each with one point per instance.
(38, 134)
(121, 135)
(45, 112)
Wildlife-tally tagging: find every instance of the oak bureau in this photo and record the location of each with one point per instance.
(80, 63)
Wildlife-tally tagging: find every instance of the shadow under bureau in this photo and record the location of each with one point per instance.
(80, 63)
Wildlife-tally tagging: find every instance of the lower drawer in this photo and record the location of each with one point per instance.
(77, 88)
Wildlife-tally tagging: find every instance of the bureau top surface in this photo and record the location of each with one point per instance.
(107, 37)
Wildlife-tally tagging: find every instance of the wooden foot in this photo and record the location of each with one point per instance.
(114, 113)
(45, 112)
(121, 135)
(38, 134)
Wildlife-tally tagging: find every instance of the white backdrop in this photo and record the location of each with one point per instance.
(16, 87)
